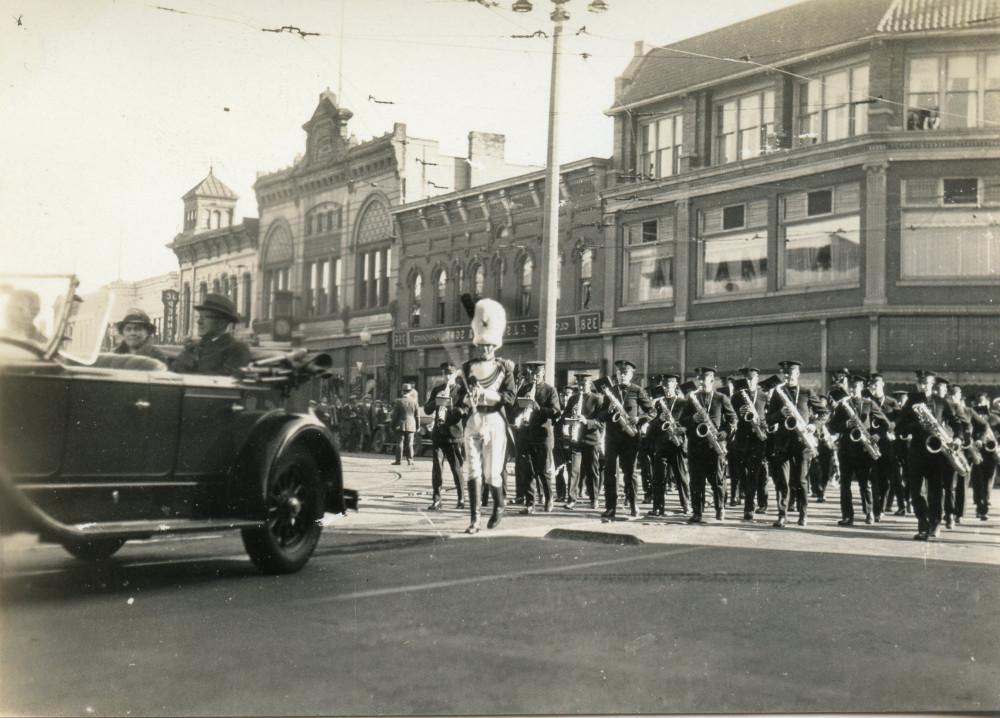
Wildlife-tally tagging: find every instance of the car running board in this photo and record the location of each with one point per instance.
(142, 529)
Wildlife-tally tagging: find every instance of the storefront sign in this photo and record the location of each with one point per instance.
(517, 330)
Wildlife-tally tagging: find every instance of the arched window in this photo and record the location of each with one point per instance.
(416, 298)
(441, 298)
(527, 279)
(277, 265)
(586, 275)
(202, 292)
(478, 281)
(216, 286)
(374, 228)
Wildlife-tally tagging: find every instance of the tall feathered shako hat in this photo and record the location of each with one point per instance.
(489, 320)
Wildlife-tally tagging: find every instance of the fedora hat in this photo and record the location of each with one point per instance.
(219, 304)
(135, 316)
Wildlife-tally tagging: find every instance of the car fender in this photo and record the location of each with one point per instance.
(270, 436)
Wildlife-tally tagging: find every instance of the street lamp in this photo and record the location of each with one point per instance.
(550, 221)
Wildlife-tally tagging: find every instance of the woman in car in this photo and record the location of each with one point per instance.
(137, 336)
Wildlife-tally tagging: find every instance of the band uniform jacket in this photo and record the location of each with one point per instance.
(501, 381)
(866, 411)
(404, 414)
(805, 401)
(658, 436)
(636, 403)
(720, 413)
(981, 421)
(446, 424)
(539, 427)
(590, 427)
(890, 409)
(223, 355)
(942, 410)
(745, 435)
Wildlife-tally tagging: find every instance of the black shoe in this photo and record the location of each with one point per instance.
(936, 532)
(958, 520)
(652, 513)
(920, 536)
(878, 518)
(593, 503)
(695, 519)
(720, 515)
(820, 499)
(473, 527)
(845, 522)
(435, 505)
(527, 510)
(494, 519)
(608, 514)
(802, 521)
(395, 463)
(569, 505)
(548, 506)
(780, 523)
(460, 504)
(899, 512)
(984, 517)
(761, 510)
(748, 517)
(869, 520)
(948, 522)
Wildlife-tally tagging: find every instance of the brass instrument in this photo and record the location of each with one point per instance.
(706, 429)
(527, 407)
(751, 415)
(670, 426)
(796, 423)
(443, 400)
(823, 434)
(618, 414)
(573, 425)
(858, 431)
(890, 435)
(988, 443)
(940, 439)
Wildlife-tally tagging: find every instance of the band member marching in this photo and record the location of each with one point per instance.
(625, 409)
(708, 418)
(858, 451)
(647, 448)
(955, 507)
(486, 390)
(669, 440)
(899, 490)
(790, 410)
(537, 405)
(582, 433)
(748, 451)
(446, 434)
(933, 454)
(885, 473)
(985, 434)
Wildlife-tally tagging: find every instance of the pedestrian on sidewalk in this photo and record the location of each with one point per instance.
(404, 422)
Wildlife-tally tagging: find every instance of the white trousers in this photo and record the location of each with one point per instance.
(485, 448)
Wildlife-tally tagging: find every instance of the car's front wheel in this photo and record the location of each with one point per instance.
(294, 502)
(96, 549)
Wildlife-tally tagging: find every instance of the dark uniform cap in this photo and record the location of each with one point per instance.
(845, 372)
(900, 392)
(788, 363)
(406, 388)
(219, 304)
(688, 386)
(857, 378)
(941, 380)
(580, 376)
(747, 369)
(622, 364)
(924, 373)
(534, 363)
(449, 366)
(702, 370)
(135, 316)
(667, 377)
(875, 375)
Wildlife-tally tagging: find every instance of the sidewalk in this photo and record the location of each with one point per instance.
(394, 499)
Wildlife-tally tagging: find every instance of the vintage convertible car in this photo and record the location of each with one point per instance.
(98, 448)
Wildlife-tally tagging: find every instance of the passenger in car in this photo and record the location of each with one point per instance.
(23, 306)
(217, 351)
(137, 336)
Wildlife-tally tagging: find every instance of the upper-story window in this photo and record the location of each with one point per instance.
(733, 249)
(833, 106)
(743, 126)
(822, 237)
(373, 262)
(527, 279)
(661, 143)
(649, 265)
(416, 300)
(948, 228)
(478, 280)
(441, 298)
(586, 278)
(322, 279)
(323, 218)
(953, 91)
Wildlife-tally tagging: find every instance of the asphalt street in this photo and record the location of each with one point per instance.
(399, 612)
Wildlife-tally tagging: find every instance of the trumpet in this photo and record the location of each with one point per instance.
(751, 415)
(859, 433)
(526, 403)
(706, 429)
(939, 439)
(795, 422)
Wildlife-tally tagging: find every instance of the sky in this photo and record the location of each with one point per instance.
(112, 109)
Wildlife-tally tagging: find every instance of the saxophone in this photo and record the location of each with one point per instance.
(989, 443)
(706, 429)
(796, 423)
(670, 425)
(619, 415)
(939, 439)
(750, 414)
(858, 431)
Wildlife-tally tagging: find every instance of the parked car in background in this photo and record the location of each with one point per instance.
(98, 448)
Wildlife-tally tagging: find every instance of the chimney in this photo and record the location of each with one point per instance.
(486, 146)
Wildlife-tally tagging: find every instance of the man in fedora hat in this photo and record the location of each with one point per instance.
(137, 336)
(217, 351)
(404, 422)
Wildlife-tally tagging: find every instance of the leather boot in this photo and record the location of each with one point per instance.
(473, 508)
(498, 507)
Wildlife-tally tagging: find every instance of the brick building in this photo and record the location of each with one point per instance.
(486, 241)
(828, 190)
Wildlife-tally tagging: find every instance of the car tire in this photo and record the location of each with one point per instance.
(96, 549)
(294, 502)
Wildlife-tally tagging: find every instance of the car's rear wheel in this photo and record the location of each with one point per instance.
(294, 502)
(96, 549)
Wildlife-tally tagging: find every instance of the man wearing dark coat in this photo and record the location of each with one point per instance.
(404, 423)
(705, 405)
(537, 406)
(216, 351)
(446, 434)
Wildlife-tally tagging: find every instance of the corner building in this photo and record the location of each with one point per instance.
(834, 197)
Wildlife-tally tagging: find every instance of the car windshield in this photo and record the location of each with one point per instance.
(41, 315)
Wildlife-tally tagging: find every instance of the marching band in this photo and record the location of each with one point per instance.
(919, 449)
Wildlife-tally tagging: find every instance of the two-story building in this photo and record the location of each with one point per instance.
(819, 183)
(487, 241)
(329, 260)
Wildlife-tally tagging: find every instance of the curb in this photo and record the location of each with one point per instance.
(595, 536)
